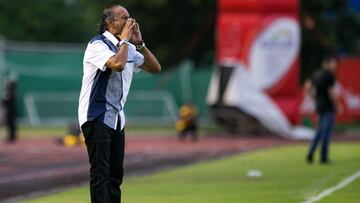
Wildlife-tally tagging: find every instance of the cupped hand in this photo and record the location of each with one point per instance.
(127, 31)
(136, 37)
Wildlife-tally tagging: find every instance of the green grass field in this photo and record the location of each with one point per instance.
(286, 178)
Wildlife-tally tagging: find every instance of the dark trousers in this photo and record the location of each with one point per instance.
(11, 127)
(105, 148)
(325, 124)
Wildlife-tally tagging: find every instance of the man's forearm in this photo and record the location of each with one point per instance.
(151, 64)
(335, 98)
(118, 61)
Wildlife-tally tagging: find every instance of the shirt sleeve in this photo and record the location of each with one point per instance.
(138, 61)
(98, 54)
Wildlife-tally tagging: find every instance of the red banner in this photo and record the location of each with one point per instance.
(264, 36)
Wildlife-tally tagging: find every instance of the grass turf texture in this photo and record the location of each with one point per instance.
(286, 178)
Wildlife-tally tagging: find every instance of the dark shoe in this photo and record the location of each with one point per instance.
(309, 159)
(325, 162)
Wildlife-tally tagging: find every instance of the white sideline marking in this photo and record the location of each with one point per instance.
(345, 182)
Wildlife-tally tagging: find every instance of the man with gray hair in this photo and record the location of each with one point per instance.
(110, 60)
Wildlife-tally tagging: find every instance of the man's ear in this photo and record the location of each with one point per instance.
(108, 22)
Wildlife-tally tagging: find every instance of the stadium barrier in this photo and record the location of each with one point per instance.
(49, 80)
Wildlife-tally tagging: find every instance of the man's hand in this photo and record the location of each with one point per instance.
(136, 37)
(118, 61)
(127, 31)
(334, 94)
(150, 64)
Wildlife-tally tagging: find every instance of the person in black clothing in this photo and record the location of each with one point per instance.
(322, 87)
(9, 102)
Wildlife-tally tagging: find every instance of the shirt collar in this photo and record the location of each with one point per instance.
(111, 37)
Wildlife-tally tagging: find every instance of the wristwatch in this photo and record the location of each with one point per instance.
(124, 41)
(140, 46)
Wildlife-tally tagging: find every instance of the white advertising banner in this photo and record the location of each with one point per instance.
(274, 51)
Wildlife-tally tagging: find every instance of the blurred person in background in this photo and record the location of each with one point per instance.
(110, 60)
(9, 103)
(187, 123)
(322, 88)
(73, 138)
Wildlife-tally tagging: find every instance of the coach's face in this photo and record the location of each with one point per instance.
(121, 16)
